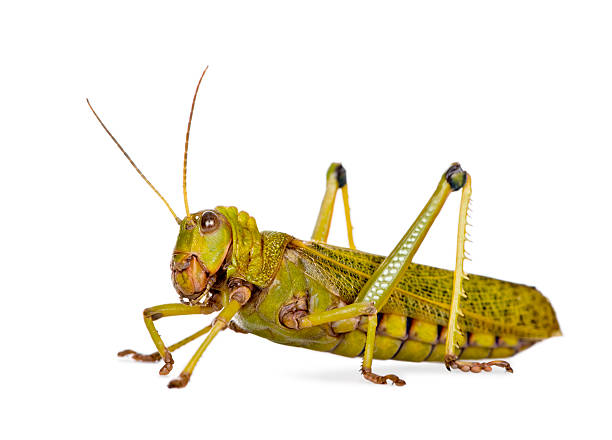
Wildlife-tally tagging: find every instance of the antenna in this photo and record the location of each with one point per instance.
(187, 144)
(178, 220)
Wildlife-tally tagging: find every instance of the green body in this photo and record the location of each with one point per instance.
(501, 318)
(313, 295)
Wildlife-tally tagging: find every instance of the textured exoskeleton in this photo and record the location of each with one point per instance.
(341, 300)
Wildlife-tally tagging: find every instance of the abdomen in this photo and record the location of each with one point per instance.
(399, 336)
(406, 339)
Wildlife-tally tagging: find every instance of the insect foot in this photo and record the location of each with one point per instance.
(169, 362)
(474, 367)
(382, 380)
(181, 381)
(153, 357)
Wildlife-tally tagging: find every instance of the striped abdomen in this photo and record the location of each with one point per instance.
(406, 339)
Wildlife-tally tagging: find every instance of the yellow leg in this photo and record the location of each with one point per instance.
(333, 315)
(379, 287)
(368, 356)
(345, 313)
(154, 357)
(221, 323)
(336, 179)
(454, 330)
(154, 313)
(239, 295)
(347, 215)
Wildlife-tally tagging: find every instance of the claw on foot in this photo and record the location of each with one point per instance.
(153, 357)
(382, 380)
(180, 382)
(169, 362)
(475, 367)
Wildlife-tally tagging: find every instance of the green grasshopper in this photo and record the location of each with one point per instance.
(344, 301)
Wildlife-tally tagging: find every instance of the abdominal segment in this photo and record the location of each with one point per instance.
(406, 339)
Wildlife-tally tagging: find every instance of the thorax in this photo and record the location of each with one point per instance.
(261, 315)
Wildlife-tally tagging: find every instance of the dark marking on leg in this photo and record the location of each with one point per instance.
(456, 177)
(341, 175)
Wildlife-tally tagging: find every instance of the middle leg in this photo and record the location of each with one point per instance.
(345, 314)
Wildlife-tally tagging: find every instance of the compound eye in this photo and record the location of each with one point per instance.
(209, 222)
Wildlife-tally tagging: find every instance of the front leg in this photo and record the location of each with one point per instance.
(155, 356)
(237, 298)
(299, 319)
(154, 313)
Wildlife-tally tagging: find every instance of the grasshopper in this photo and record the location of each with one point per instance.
(341, 300)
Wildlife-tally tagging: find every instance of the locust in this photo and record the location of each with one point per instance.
(340, 300)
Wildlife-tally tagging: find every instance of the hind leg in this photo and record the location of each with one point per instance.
(336, 180)
(474, 367)
(380, 286)
(454, 330)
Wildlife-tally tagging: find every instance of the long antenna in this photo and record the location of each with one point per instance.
(178, 220)
(187, 144)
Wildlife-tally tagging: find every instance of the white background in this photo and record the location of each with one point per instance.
(519, 92)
